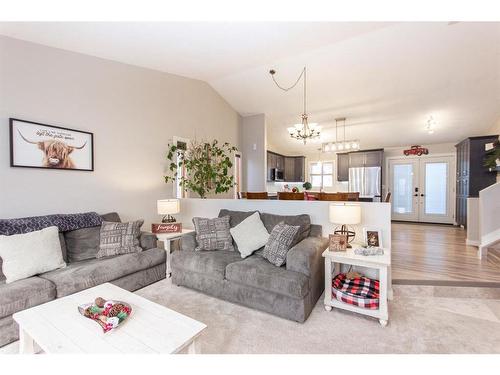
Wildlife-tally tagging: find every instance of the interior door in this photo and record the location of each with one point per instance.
(404, 177)
(436, 201)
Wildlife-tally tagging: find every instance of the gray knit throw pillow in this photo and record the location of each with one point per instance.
(213, 234)
(280, 241)
(119, 238)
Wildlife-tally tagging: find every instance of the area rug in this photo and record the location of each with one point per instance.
(423, 319)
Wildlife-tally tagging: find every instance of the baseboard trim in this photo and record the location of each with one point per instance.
(459, 283)
(472, 242)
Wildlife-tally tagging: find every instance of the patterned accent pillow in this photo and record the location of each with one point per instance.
(119, 238)
(280, 241)
(213, 234)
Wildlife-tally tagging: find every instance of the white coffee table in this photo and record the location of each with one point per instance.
(58, 327)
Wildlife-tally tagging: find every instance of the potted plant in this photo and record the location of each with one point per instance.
(207, 167)
(492, 159)
(307, 185)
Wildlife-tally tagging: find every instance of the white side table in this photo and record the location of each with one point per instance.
(382, 263)
(167, 238)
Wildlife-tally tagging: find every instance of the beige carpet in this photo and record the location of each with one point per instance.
(423, 319)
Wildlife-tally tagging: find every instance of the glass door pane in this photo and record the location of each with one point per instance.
(402, 189)
(436, 188)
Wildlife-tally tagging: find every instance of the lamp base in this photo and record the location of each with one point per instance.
(348, 232)
(168, 219)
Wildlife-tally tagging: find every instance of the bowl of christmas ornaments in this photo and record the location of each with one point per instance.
(108, 313)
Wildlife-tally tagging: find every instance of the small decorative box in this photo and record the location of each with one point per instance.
(338, 242)
(166, 228)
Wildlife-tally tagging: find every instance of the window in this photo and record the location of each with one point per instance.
(321, 174)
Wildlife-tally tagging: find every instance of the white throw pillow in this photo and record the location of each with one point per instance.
(29, 254)
(250, 235)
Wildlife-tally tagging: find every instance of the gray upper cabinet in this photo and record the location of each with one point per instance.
(300, 168)
(289, 168)
(342, 167)
(356, 159)
(373, 158)
(292, 166)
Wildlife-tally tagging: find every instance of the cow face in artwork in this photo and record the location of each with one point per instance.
(56, 153)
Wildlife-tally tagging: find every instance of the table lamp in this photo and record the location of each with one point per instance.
(168, 207)
(345, 214)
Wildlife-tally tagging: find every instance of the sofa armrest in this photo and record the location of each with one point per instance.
(148, 240)
(188, 242)
(305, 257)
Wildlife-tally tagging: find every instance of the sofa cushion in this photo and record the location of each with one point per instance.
(235, 218)
(83, 244)
(28, 254)
(250, 235)
(119, 238)
(213, 234)
(88, 273)
(280, 241)
(23, 294)
(303, 221)
(257, 272)
(210, 263)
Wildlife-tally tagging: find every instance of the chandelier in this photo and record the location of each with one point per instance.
(340, 145)
(304, 130)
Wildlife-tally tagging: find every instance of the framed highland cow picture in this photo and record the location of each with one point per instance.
(35, 145)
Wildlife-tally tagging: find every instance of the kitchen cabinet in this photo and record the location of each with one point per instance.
(342, 167)
(289, 169)
(356, 159)
(370, 158)
(300, 164)
(293, 167)
(472, 176)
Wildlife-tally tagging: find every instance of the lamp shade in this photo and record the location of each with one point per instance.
(345, 213)
(168, 206)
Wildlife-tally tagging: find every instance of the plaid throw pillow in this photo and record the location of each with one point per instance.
(280, 241)
(213, 234)
(119, 238)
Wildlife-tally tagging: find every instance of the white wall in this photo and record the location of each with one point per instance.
(133, 113)
(377, 215)
(253, 149)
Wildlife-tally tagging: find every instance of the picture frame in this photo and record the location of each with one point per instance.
(38, 145)
(373, 237)
(337, 242)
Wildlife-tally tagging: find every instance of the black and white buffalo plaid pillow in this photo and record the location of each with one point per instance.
(119, 238)
(213, 234)
(280, 241)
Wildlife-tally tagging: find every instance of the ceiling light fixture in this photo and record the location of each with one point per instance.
(304, 130)
(342, 145)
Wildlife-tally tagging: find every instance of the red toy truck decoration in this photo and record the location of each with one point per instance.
(416, 150)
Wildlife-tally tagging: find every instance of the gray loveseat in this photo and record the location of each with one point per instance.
(290, 291)
(128, 271)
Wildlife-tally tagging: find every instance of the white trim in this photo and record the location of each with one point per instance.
(472, 242)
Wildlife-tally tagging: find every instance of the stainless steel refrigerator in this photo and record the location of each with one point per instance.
(367, 181)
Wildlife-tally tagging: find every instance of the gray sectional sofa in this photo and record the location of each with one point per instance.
(290, 291)
(128, 271)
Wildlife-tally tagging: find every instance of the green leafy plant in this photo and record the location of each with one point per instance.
(207, 167)
(307, 185)
(490, 160)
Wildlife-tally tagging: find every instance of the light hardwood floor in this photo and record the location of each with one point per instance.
(438, 253)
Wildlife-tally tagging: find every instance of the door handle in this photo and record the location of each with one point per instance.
(415, 195)
(422, 195)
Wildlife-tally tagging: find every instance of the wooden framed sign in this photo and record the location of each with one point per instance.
(36, 145)
(166, 228)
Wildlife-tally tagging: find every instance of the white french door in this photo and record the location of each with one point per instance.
(422, 189)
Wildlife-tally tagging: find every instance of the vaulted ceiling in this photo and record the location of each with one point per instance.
(386, 78)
